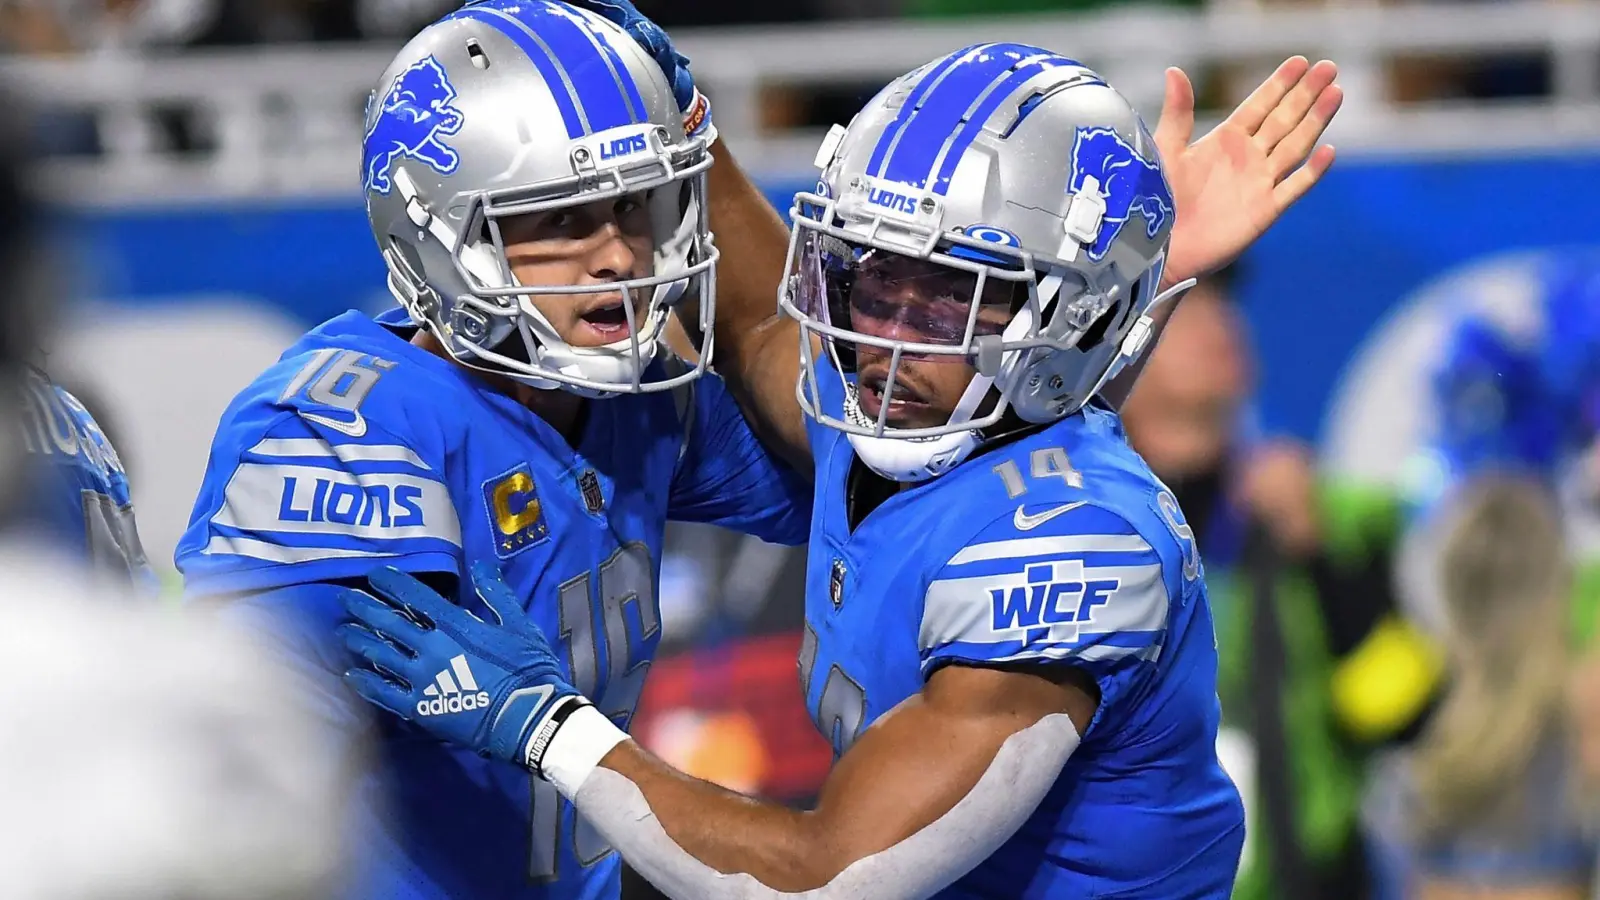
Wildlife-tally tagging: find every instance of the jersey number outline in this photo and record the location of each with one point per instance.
(841, 710)
(344, 385)
(1046, 462)
(625, 580)
(1172, 514)
(112, 535)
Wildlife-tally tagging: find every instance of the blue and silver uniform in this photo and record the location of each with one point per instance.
(1061, 547)
(79, 490)
(359, 449)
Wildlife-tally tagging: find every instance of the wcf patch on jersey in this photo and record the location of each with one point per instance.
(515, 513)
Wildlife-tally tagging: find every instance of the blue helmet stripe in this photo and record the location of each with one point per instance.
(599, 90)
(636, 109)
(908, 109)
(944, 108)
(565, 99)
(991, 102)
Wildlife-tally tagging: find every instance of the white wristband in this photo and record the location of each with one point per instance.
(577, 748)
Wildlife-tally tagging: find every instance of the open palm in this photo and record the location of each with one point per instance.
(1233, 184)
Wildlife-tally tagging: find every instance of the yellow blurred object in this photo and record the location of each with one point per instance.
(723, 748)
(1384, 684)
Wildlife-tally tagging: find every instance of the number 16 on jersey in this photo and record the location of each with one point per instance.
(586, 614)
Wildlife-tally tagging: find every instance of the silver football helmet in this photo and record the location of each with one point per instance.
(510, 107)
(1000, 206)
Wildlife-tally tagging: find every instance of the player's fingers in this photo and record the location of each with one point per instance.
(1304, 178)
(382, 619)
(495, 593)
(1293, 150)
(413, 597)
(1264, 99)
(1176, 125)
(379, 691)
(376, 650)
(1292, 109)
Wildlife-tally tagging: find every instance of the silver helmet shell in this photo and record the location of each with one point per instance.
(510, 107)
(1003, 163)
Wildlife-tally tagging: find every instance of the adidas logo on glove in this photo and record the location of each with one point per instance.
(453, 694)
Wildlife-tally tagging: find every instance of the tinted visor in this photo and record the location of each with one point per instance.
(885, 299)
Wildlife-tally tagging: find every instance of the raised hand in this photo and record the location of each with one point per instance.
(695, 107)
(1233, 184)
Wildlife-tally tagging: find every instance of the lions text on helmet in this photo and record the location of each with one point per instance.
(1004, 270)
(550, 255)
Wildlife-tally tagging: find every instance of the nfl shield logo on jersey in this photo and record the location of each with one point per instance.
(594, 500)
(836, 583)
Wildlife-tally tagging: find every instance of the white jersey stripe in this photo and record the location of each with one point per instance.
(277, 553)
(1095, 653)
(319, 448)
(1047, 546)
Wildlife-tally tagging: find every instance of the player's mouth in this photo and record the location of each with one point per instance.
(607, 323)
(907, 406)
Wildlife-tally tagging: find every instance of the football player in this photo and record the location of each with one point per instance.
(80, 490)
(197, 774)
(1008, 636)
(539, 197)
(76, 489)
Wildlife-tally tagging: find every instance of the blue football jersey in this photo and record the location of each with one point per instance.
(358, 449)
(78, 489)
(1060, 547)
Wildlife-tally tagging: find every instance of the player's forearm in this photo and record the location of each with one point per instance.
(757, 348)
(753, 238)
(725, 831)
(690, 838)
(915, 804)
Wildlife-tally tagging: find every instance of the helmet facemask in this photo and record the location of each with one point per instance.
(1040, 337)
(490, 322)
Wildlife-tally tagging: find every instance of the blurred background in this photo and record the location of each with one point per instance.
(1381, 422)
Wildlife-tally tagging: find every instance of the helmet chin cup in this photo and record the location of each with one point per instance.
(910, 461)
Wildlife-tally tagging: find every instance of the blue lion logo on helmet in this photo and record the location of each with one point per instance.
(414, 115)
(1129, 183)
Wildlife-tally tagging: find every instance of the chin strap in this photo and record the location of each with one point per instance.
(1138, 338)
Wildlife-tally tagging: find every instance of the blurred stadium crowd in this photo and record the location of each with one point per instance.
(1410, 688)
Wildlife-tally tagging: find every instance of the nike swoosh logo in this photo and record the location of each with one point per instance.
(1025, 522)
(355, 429)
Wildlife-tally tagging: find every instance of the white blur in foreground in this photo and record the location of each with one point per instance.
(147, 751)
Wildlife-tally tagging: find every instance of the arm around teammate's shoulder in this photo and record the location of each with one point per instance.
(927, 793)
(757, 348)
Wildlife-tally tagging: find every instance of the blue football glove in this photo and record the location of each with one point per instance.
(497, 688)
(695, 107)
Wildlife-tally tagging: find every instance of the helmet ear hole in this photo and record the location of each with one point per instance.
(1096, 333)
(1127, 310)
(1113, 321)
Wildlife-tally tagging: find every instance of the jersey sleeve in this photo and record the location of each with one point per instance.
(726, 477)
(1070, 583)
(299, 501)
(296, 627)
